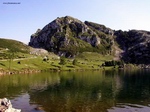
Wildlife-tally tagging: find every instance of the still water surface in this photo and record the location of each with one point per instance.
(98, 91)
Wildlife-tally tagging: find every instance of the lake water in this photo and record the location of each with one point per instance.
(91, 91)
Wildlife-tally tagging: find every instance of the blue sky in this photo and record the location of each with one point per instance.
(19, 21)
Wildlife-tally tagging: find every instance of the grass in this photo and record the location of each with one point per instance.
(13, 45)
(14, 56)
(94, 58)
(85, 61)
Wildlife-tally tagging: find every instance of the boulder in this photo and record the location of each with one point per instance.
(6, 106)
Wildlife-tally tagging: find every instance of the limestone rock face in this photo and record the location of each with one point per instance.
(68, 35)
(136, 46)
(100, 28)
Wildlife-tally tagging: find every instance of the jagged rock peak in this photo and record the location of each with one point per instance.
(68, 33)
(136, 45)
(63, 21)
(68, 36)
(67, 19)
(100, 27)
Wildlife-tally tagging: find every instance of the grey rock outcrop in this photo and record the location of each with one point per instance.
(136, 46)
(6, 106)
(67, 34)
(38, 52)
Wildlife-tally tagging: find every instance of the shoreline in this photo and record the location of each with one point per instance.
(31, 71)
(11, 72)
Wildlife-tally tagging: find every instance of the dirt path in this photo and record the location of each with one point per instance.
(19, 59)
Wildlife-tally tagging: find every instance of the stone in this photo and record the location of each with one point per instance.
(6, 106)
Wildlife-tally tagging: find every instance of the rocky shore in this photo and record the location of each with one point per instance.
(6, 106)
(24, 71)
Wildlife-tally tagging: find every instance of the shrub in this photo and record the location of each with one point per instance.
(62, 61)
(75, 62)
(112, 63)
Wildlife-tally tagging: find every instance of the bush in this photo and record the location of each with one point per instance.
(113, 63)
(62, 61)
(75, 62)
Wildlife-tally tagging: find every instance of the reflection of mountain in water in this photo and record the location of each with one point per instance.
(79, 91)
(136, 88)
(16, 84)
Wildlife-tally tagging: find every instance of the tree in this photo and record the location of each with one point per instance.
(75, 62)
(62, 61)
(10, 58)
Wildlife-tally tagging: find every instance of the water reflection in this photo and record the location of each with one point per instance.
(136, 88)
(77, 92)
(23, 102)
(101, 91)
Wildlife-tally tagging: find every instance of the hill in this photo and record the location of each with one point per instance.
(16, 57)
(13, 46)
(13, 49)
(135, 45)
(67, 36)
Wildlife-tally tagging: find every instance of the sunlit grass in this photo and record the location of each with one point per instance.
(85, 61)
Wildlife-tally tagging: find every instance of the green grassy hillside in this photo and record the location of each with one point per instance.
(15, 56)
(13, 46)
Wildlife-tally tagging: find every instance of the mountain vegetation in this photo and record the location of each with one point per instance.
(67, 36)
(13, 45)
(70, 44)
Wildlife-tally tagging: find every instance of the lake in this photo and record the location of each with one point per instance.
(82, 91)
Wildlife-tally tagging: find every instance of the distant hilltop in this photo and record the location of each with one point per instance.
(67, 36)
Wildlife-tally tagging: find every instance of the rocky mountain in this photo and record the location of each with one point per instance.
(135, 45)
(68, 36)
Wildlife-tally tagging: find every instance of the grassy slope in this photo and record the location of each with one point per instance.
(85, 60)
(23, 60)
(13, 45)
(12, 48)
